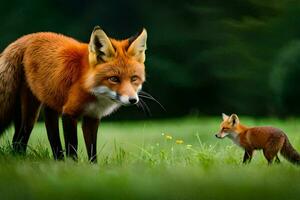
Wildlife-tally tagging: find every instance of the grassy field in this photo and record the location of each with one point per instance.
(142, 160)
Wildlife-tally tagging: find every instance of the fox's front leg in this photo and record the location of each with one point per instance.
(90, 128)
(70, 135)
(71, 110)
(247, 156)
(51, 122)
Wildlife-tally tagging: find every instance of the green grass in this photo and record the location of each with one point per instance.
(136, 161)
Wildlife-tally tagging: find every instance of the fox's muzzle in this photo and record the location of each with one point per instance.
(133, 100)
(126, 100)
(220, 135)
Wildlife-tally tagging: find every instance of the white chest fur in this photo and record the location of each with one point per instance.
(235, 138)
(103, 106)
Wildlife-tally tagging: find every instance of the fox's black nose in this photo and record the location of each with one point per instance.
(133, 100)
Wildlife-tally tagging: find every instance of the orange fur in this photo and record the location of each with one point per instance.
(68, 77)
(57, 69)
(271, 140)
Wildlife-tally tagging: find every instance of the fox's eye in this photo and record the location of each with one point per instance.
(114, 79)
(134, 78)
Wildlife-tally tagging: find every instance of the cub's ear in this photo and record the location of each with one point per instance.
(100, 47)
(138, 46)
(234, 119)
(224, 116)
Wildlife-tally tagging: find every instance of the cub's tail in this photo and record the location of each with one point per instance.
(289, 152)
(11, 73)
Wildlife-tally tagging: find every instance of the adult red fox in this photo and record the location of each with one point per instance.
(271, 140)
(70, 78)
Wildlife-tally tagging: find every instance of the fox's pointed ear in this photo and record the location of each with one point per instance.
(138, 46)
(234, 119)
(100, 47)
(224, 116)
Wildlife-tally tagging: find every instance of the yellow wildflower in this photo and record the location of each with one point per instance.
(179, 141)
(168, 137)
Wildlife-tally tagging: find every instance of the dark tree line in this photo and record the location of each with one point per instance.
(204, 57)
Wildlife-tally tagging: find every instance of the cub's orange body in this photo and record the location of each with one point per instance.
(269, 139)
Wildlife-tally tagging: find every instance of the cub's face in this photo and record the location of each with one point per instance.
(228, 126)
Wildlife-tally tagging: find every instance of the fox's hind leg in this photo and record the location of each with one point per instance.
(272, 148)
(269, 155)
(18, 117)
(277, 160)
(28, 110)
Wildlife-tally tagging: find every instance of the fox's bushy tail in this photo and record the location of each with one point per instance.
(289, 152)
(11, 73)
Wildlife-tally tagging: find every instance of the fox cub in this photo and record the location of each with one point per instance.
(271, 140)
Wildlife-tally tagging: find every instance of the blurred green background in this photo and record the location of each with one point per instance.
(204, 57)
